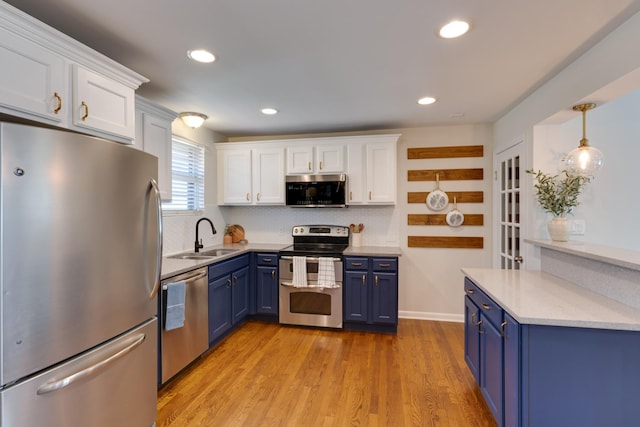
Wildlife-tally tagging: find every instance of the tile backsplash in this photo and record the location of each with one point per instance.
(272, 224)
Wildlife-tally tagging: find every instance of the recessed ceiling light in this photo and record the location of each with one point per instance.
(454, 29)
(426, 100)
(269, 111)
(201, 55)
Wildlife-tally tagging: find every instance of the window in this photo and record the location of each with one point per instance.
(187, 174)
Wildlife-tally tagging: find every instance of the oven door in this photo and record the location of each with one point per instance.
(311, 306)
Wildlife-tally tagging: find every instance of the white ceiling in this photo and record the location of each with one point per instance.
(337, 65)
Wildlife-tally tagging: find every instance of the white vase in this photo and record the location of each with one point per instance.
(558, 228)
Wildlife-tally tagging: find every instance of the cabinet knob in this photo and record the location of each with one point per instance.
(59, 103)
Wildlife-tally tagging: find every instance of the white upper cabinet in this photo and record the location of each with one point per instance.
(153, 135)
(254, 173)
(234, 177)
(250, 175)
(381, 173)
(268, 176)
(32, 80)
(102, 104)
(51, 78)
(308, 158)
(372, 170)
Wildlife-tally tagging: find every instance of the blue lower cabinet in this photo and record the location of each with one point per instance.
(537, 375)
(267, 284)
(371, 293)
(228, 295)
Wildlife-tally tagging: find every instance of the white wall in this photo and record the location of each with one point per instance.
(603, 74)
(430, 280)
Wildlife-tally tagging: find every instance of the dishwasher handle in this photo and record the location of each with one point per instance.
(192, 278)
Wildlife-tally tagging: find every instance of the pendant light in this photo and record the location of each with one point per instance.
(584, 160)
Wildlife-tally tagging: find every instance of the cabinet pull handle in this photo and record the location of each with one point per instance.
(320, 164)
(469, 291)
(369, 195)
(364, 280)
(350, 195)
(273, 274)
(248, 197)
(235, 278)
(384, 265)
(376, 280)
(266, 259)
(486, 306)
(86, 111)
(228, 283)
(356, 264)
(59, 104)
(309, 166)
(473, 319)
(258, 197)
(479, 324)
(503, 329)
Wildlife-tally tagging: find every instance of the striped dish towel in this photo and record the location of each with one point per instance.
(299, 272)
(326, 273)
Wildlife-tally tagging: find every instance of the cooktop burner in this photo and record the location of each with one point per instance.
(321, 240)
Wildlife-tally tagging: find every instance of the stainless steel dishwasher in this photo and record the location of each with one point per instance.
(181, 346)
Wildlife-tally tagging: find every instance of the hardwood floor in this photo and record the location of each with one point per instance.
(271, 375)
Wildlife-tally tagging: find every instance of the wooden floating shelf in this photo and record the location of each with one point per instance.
(446, 174)
(445, 152)
(445, 242)
(441, 219)
(461, 196)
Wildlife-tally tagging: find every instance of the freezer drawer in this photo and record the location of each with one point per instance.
(112, 385)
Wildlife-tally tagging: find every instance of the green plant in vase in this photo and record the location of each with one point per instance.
(558, 195)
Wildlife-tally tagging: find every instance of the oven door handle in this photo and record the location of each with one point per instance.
(310, 258)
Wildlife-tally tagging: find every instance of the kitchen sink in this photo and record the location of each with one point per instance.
(213, 253)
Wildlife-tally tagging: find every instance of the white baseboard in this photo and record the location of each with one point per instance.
(442, 317)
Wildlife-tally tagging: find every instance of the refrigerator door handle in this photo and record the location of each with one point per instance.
(55, 385)
(156, 285)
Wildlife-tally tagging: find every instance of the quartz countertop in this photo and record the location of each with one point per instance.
(538, 298)
(172, 267)
(617, 256)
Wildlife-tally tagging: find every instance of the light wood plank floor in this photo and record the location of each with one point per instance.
(271, 375)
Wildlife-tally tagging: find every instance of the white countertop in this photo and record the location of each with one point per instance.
(617, 256)
(172, 267)
(534, 297)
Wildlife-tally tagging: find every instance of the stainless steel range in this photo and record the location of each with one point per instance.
(311, 276)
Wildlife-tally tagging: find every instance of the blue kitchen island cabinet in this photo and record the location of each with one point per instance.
(371, 294)
(267, 284)
(228, 295)
(534, 375)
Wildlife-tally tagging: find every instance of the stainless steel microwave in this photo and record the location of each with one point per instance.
(316, 191)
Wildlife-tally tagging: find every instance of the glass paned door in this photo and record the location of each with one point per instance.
(509, 178)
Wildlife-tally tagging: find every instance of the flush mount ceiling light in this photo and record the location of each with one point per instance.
(269, 111)
(193, 120)
(201, 55)
(454, 29)
(426, 100)
(584, 160)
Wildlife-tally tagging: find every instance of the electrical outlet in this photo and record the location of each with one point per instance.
(578, 227)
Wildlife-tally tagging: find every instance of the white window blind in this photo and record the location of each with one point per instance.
(187, 171)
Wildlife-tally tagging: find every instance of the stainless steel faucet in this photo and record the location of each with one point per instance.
(198, 245)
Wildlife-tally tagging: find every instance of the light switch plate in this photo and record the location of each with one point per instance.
(578, 227)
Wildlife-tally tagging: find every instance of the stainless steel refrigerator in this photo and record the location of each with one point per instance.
(80, 255)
